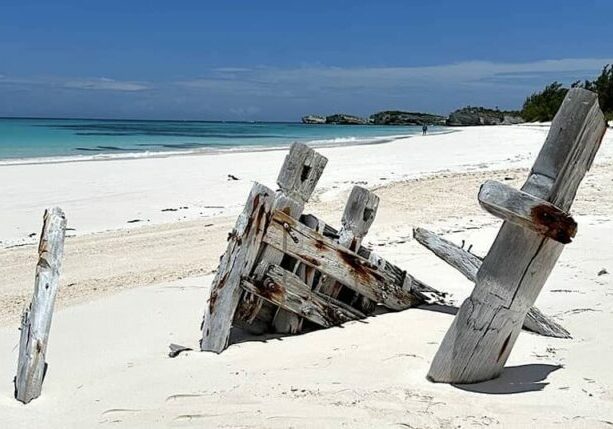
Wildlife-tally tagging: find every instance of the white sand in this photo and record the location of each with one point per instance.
(103, 195)
(107, 355)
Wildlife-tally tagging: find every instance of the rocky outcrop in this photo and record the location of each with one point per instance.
(395, 117)
(469, 116)
(343, 119)
(511, 119)
(313, 119)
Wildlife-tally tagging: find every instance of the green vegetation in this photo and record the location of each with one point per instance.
(542, 106)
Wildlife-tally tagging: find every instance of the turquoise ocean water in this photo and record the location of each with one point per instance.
(40, 140)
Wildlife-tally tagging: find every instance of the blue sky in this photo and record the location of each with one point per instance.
(278, 60)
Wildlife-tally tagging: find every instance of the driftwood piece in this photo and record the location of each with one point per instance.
(468, 265)
(359, 214)
(526, 210)
(370, 278)
(289, 292)
(36, 320)
(238, 260)
(483, 333)
(297, 180)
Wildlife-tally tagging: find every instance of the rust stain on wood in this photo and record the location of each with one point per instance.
(554, 223)
(356, 263)
(269, 289)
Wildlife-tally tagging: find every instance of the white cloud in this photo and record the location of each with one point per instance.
(104, 84)
(325, 79)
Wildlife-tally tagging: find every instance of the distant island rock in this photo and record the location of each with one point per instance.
(395, 117)
(466, 116)
(313, 119)
(470, 116)
(344, 119)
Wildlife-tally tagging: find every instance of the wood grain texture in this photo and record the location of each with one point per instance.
(36, 320)
(286, 321)
(468, 265)
(297, 180)
(483, 333)
(528, 211)
(238, 261)
(370, 278)
(289, 292)
(358, 216)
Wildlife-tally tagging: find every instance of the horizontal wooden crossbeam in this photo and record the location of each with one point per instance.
(528, 211)
(368, 278)
(289, 292)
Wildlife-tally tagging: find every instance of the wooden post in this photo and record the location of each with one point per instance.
(297, 180)
(483, 333)
(238, 261)
(359, 214)
(468, 265)
(36, 320)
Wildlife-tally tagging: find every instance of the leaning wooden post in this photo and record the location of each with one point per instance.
(357, 218)
(483, 333)
(297, 180)
(36, 320)
(237, 262)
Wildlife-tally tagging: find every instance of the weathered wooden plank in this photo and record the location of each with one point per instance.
(36, 320)
(286, 321)
(289, 292)
(300, 172)
(369, 278)
(358, 216)
(468, 265)
(238, 260)
(465, 262)
(297, 180)
(483, 333)
(528, 211)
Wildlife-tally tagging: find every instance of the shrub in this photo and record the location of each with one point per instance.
(542, 106)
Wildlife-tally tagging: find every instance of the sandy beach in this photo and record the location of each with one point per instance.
(147, 233)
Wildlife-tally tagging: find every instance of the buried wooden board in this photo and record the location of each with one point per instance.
(468, 265)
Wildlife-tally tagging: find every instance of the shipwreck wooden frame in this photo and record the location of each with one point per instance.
(282, 267)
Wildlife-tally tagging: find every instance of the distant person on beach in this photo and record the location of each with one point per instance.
(424, 130)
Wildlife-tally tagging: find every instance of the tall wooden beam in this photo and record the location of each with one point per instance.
(238, 261)
(36, 320)
(483, 333)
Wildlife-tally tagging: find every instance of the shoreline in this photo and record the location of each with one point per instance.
(64, 159)
(125, 194)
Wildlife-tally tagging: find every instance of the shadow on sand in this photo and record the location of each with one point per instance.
(514, 379)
